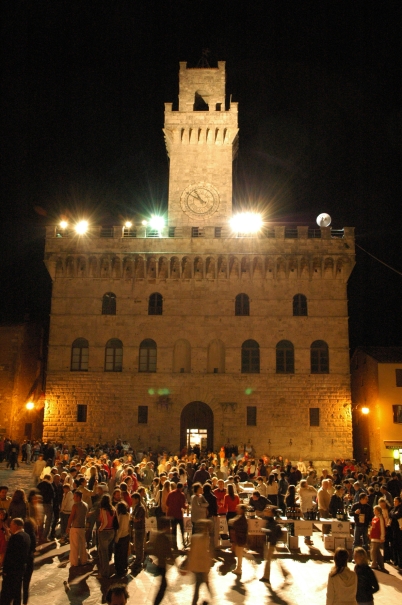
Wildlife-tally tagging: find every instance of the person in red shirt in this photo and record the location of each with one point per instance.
(175, 503)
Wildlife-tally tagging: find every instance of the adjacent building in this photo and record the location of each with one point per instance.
(193, 333)
(377, 405)
(21, 380)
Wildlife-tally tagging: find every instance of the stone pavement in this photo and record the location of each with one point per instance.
(295, 578)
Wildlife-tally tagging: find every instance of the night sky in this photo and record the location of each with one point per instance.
(319, 91)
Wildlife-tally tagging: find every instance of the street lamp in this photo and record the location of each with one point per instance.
(30, 405)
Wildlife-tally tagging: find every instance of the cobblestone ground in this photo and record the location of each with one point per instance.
(296, 579)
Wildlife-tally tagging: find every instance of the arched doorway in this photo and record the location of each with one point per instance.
(197, 425)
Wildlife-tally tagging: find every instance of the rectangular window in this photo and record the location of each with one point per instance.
(171, 231)
(142, 414)
(251, 415)
(82, 413)
(397, 413)
(398, 378)
(195, 232)
(79, 359)
(218, 231)
(314, 416)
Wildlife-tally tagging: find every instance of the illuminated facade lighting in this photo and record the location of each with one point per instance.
(81, 227)
(30, 405)
(246, 222)
(157, 223)
(128, 224)
(365, 410)
(63, 224)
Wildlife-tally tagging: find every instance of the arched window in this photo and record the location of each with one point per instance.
(299, 305)
(155, 304)
(109, 304)
(242, 305)
(285, 357)
(250, 357)
(79, 355)
(114, 355)
(147, 356)
(319, 357)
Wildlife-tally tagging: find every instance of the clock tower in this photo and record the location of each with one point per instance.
(201, 142)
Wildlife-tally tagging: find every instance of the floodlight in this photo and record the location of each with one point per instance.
(246, 222)
(157, 222)
(81, 227)
(365, 410)
(145, 223)
(30, 405)
(63, 224)
(128, 224)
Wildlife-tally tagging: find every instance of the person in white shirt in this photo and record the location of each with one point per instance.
(65, 511)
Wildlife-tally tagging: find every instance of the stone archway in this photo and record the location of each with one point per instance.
(197, 415)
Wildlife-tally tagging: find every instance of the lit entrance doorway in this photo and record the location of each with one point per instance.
(197, 426)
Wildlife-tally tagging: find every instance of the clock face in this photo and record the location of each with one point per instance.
(201, 199)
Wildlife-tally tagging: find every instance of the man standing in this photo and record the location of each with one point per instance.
(273, 531)
(201, 475)
(76, 530)
(176, 502)
(363, 513)
(238, 536)
(323, 499)
(15, 561)
(37, 469)
(65, 511)
(47, 492)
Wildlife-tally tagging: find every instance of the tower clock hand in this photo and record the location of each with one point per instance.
(197, 196)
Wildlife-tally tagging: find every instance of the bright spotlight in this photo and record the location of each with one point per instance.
(246, 222)
(157, 222)
(30, 405)
(128, 224)
(81, 227)
(365, 410)
(63, 224)
(145, 223)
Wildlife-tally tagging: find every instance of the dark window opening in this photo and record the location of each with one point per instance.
(155, 304)
(251, 415)
(242, 305)
(398, 378)
(314, 416)
(114, 355)
(285, 357)
(199, 103)
(397, 414)
(299, 305)
(171, 231)
(142, 414)
(218, 231)
(250, 357)
(319, 357)
(82, 413)
(147, 356)
(79, 355)
(109, 304)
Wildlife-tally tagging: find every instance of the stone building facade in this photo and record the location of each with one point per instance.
(21, 380)
(195, 332)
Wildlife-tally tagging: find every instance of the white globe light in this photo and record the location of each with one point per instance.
(81, 227)
(63, 224)
(323, 220)
(128, 224)
(246, 222)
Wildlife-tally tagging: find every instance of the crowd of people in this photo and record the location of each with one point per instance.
(99, 500)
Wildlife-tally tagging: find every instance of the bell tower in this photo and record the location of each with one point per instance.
(201, 141)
